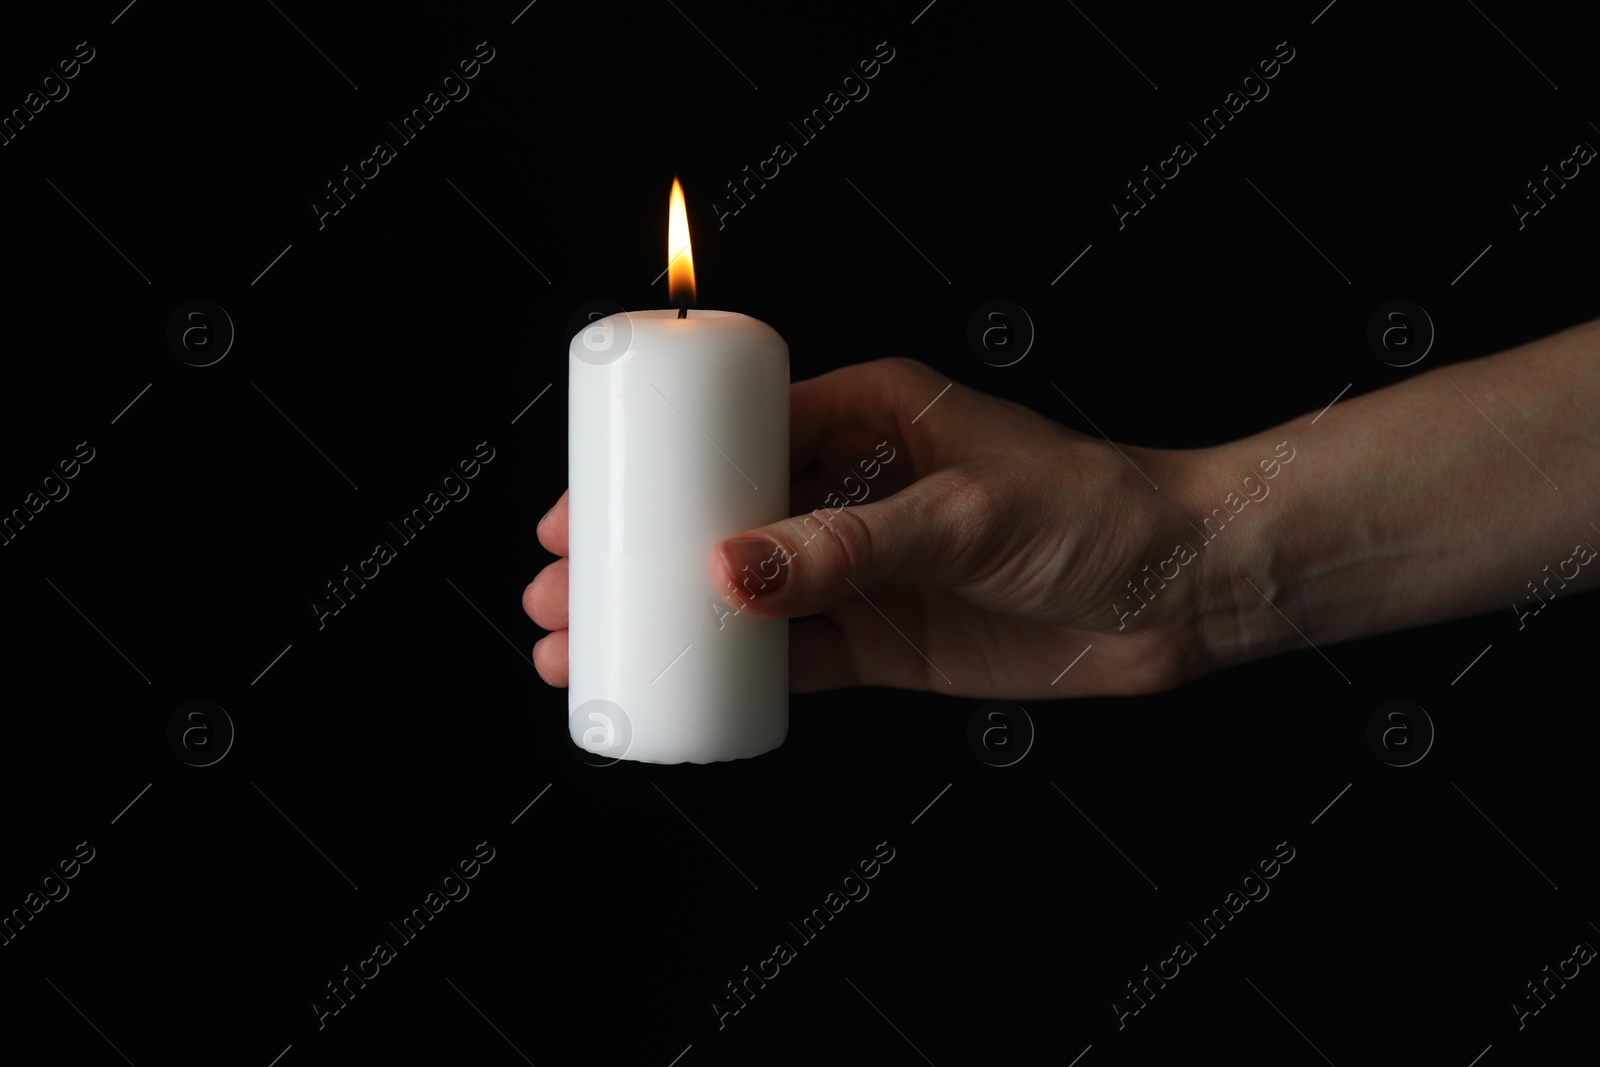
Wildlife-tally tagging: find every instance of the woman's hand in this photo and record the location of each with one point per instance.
(985, 557)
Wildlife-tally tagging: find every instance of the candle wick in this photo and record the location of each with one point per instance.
(683, 312)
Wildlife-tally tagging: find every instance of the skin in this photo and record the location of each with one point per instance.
(996, 541)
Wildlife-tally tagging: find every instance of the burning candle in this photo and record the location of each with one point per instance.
(678, 437)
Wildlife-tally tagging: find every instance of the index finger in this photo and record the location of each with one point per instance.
(890, 400)
(552, 528)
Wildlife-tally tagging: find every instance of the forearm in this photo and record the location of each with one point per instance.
(1406, 507)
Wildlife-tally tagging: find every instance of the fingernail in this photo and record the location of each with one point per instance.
(754, 564)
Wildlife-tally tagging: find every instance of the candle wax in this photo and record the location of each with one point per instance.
(678, 438)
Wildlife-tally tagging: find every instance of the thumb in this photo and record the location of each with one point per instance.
(809, 563)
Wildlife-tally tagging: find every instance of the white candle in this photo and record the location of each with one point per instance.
(678, 437)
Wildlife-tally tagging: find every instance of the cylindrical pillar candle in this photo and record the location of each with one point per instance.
(678, 437)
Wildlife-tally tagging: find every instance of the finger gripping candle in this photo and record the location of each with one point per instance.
(678, 437)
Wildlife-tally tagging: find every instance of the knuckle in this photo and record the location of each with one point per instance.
(910, 369)
(851, 544)
(971, 501)
(968, 508)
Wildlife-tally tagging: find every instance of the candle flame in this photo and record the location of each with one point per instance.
(680, 259)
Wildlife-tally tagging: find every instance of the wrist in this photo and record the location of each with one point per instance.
(1239, 503)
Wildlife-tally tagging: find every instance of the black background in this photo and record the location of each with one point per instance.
(377, 751)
